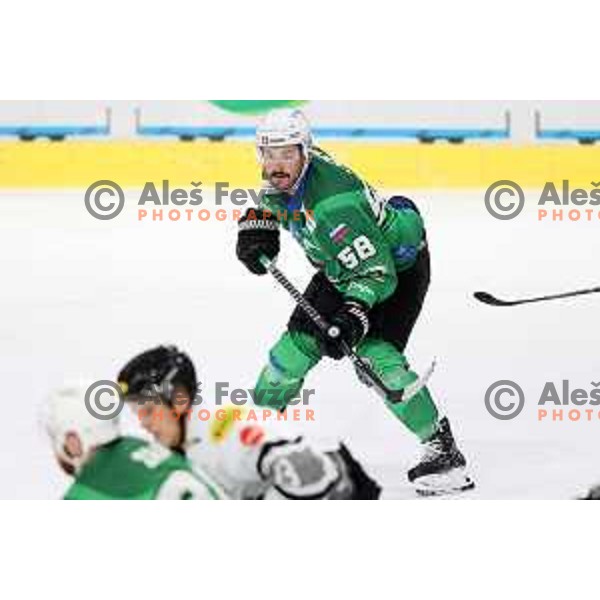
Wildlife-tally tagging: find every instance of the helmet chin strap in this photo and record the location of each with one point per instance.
(166, 385)
(296, 185)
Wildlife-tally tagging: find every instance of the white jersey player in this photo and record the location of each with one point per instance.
(247, 451)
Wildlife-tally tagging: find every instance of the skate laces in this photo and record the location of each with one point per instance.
(433, 449)
(440, 443)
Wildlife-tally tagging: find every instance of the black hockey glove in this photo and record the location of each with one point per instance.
(258, 236)
(352, 322)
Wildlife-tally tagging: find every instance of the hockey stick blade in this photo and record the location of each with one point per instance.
(491, 300)
(487, 298)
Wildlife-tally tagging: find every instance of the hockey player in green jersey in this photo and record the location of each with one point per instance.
(109, 466)
(372, 276)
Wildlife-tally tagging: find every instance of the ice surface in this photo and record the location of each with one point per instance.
(80, 296)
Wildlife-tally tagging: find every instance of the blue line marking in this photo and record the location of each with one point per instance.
(329, 132)
(566, 134)
(52, 130)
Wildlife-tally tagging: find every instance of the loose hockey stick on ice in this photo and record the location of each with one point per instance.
(487, 298)
(360, 365)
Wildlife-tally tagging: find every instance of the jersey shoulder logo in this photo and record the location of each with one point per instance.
(339, 233)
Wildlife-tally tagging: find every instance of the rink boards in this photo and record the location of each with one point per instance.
(44, 164)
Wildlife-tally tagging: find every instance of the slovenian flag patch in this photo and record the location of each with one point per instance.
(338, 235)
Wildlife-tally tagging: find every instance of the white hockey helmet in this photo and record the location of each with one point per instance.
(66, 413)
(284, 127)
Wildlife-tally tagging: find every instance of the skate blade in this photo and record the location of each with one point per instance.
(454, 482)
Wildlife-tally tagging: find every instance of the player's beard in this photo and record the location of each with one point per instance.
(283, 183)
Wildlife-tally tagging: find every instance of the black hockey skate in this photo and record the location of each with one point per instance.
(442, 467)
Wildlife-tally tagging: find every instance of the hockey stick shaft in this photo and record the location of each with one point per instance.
(365, 369)
(487, 298)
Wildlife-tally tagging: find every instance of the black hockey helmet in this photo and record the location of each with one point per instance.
(158, 370)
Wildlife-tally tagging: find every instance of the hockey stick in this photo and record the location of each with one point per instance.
(364, 369)
(487, 298)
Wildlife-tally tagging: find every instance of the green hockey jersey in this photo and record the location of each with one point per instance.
(360, 240)
(133, 469)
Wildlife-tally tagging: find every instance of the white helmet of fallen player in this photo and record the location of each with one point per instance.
(68, 420)
(284, 127)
